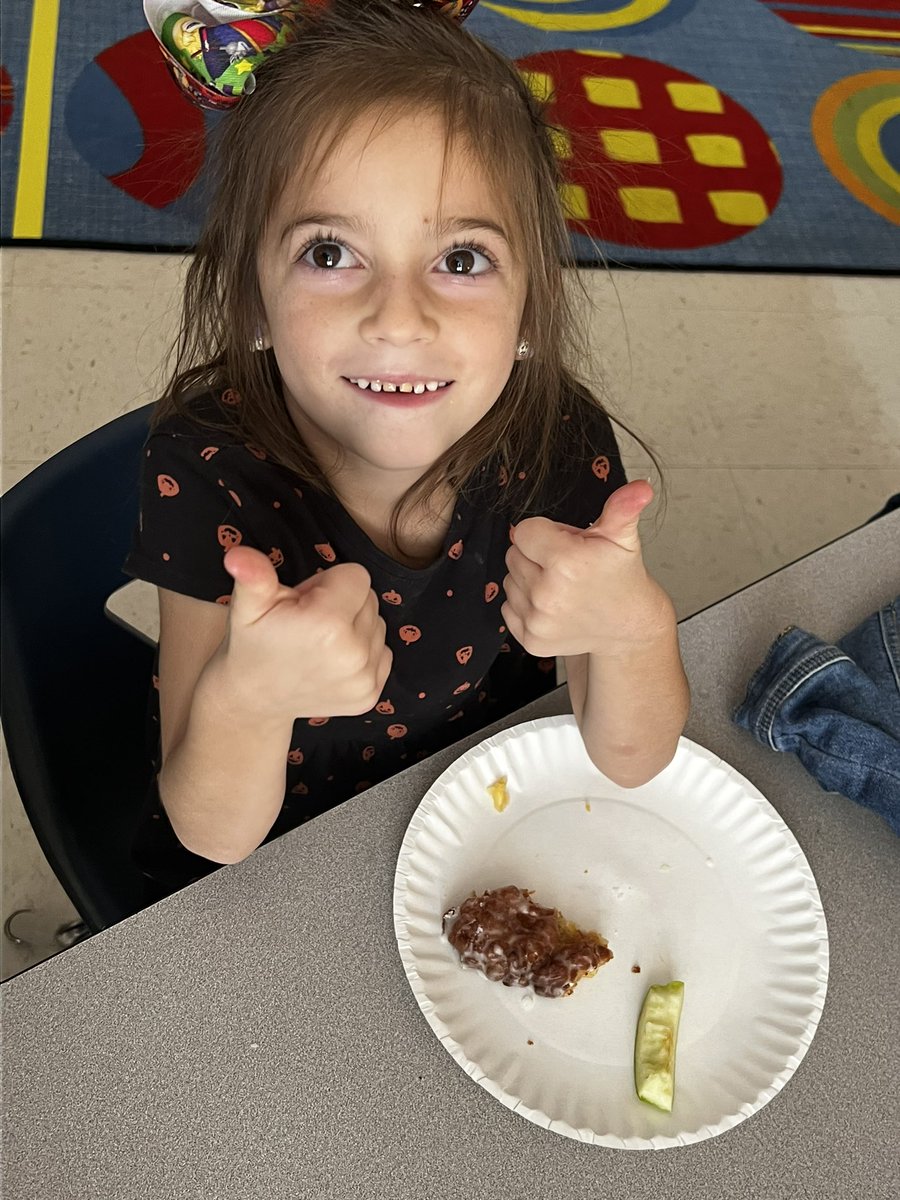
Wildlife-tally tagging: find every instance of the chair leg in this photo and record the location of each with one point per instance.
(70, 934)
(8, 929)
(66, 935)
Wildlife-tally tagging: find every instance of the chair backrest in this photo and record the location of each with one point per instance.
(74, 684)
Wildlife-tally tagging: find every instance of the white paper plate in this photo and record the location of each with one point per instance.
(693, 876)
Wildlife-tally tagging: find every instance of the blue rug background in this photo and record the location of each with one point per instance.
(773, 70)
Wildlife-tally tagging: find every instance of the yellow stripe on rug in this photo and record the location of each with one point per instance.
(31, 186)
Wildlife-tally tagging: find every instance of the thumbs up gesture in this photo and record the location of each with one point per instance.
(576, 591)
(315, 650)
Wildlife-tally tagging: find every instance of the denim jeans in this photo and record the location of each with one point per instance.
(837, 707)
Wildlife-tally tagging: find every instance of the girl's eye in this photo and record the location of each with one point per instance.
(467, 260)
(327, 256)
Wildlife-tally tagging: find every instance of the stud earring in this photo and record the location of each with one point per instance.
(523, 350)
(258, 342)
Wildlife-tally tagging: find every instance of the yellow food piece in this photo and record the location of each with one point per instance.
(499, 793)
(655, 1041)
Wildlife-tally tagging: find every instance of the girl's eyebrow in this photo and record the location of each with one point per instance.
(442, 228)
(469, 225)
(318, 218)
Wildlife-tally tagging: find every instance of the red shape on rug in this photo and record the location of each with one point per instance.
(648, 152)
(174, 130)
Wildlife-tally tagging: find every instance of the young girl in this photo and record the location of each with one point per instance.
(368, 488)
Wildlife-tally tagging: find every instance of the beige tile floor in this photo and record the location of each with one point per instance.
(773, 402)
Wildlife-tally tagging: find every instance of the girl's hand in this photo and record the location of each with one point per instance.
(315, 650)
(584, 591)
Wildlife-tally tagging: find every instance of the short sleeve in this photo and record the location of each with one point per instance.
(191, 514)
(587, 468)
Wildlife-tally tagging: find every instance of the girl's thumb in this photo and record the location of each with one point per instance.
(622, 514)
(256, 584)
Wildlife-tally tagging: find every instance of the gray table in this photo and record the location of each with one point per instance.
(255, 1036)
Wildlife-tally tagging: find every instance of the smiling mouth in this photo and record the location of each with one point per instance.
(385, 385)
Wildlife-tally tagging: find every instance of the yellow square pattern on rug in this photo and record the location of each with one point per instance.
(655, 205)
(539, 84)
(574, 201)
(716, 150)
(611, 92)
(695, 97)
(562, 143)
(739, 208)
(630, 145)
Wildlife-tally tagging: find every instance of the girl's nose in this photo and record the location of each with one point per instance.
(398, 313)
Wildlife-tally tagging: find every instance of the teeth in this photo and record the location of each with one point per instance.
(377, 385)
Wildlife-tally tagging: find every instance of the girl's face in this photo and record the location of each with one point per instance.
(392, 304)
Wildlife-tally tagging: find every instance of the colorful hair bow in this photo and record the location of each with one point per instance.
(213, 47)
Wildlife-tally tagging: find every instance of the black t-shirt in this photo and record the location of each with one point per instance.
(455, 667)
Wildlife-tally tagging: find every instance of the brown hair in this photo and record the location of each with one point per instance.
(383, 58)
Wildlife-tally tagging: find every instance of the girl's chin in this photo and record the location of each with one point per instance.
(414, 465)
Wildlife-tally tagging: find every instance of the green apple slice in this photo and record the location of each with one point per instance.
(654, 1044)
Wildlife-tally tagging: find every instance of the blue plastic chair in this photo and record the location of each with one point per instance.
(74, 686)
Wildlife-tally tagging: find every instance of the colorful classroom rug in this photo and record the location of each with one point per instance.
(742, 134)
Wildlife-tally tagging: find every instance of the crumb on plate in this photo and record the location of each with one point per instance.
(499, 793)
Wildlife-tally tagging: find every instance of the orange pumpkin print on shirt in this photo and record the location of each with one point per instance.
(455, 550)
(300, 789)
(384, 706)
(229, 536)
(368, 753)
(295, 757)
(231, 397)
(324, 550)
(392, 597)
(167, 485)
(463, 687)
(491, 591)
(208, 451)
(409, 633)
(256, 451)
(463, 654)
(318, 720)
(396, 731)
(276, 558)
(600, 467)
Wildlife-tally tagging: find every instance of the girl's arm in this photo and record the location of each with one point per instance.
(232, 681)
(631, 708)
(223, 769)
(585, 595)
